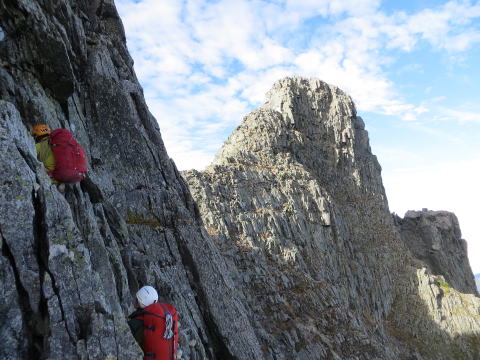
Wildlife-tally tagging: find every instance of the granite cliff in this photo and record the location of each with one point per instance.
(291, 252)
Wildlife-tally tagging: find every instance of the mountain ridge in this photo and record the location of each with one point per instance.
(301, 175)
(288, 251)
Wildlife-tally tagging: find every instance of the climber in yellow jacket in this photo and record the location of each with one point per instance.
(41, 133)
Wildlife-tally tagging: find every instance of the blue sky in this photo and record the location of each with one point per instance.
(411, 68)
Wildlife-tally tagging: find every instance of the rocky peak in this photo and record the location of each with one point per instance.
(295, 203)
(296, 117)
(434, 237)
(313, 124)
(313, 108)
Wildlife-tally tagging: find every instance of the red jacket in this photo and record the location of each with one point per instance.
(156, 344)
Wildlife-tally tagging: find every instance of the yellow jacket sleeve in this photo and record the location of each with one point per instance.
(45, 154)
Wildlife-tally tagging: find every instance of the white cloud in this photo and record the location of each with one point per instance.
(204, 65)
(444, 27)
(461, 116)
(331, 7)
(462, 42)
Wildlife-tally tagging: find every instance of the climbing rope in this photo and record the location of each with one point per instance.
(168, 326)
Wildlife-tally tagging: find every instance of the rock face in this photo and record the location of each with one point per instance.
(294, 201)
(70, 264)
(295, 255)
(434, 237)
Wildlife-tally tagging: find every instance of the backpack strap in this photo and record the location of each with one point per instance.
(150, 313)
(135, 314)
(165, 309)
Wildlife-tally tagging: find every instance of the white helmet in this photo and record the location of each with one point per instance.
(146, 296)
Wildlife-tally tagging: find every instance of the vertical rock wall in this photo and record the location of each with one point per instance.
(70, 263)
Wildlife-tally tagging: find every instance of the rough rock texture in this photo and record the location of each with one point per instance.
(70, 264)
(298, 259)
(434, 237)
(294, 200)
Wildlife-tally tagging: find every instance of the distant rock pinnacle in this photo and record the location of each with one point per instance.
(434, 237)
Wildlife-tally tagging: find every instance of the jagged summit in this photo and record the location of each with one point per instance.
(298, 115)
(314, 98)
(312, 124)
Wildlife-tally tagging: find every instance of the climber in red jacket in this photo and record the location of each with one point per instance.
(154, 325)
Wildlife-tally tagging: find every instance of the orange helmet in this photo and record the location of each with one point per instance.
(39, 130)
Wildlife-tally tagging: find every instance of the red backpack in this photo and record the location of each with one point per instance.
(160, 331)
(70, 158)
